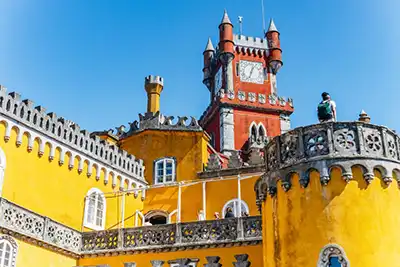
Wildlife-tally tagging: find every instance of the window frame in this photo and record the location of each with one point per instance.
(234, 209)
(164, 175)
(7, 240)
(329, 251)
(86, 222)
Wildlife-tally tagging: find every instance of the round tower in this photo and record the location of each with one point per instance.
(329, 196)
(153, 86)
(208, 55)
(226, 52)
(274, 45)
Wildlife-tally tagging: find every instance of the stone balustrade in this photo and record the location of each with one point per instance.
(25, 224)
(322, 147)
(246, 229)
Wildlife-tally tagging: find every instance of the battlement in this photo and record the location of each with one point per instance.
(157, 121)
(322, 147)
(151, 79)
(75, 140)
(248, 41)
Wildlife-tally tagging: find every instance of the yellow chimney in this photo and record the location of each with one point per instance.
(153, 85)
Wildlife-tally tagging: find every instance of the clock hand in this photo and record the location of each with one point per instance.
(251, 72)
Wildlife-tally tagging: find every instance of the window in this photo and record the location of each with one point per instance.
(164, 170)
(155, 217)
(332, 255)
(8, 251)
(257, 133)
(234, 206)
(95, 210)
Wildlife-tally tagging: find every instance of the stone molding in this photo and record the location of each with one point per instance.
(332, 250)
(322, 147)
(158, 121)
(66, 136)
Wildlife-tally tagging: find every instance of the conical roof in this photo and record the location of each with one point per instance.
(225, 18)
(272, 27)
(209, 46)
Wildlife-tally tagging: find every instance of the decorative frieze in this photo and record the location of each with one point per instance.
(322, 147)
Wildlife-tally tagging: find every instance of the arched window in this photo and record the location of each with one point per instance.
(95, 210)
(8, 251)
(253, 133)
(332, 255)
(164, 170)
(155, 217)
(233, 205)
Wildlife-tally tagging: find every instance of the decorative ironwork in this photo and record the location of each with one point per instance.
(252, 227)
(209, 231)
(150, 236)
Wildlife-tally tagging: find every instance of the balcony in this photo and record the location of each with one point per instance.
(42, 231)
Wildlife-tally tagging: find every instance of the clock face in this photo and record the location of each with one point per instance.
(218, 81)
(251, 72)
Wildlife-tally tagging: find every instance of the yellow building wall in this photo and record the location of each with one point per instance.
(55, 191)
(143, 260)
(362, 219)
(31, 255)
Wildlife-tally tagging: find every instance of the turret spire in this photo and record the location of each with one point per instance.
(272, 27)
(209, 46)
(225, 18)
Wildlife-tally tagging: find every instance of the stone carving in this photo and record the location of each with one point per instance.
(372, 141)
(329, 145)
(272, 99)
(149, 236)
(219, 230)
(316, 143)
(252, 227)
(345, 140)
(252, 97)
(330, 251)
(255, 156)
(288, 148)
(242, 95)
(261, 98)
(157, 263)
(242, 260)
(213, 162)
(235, 161)
(184, 262)
(62, 236)
(65, 132)
(129, 264)
(213, 261)
(282, 101)
(101, 240)
(231, 94)
(272, 159)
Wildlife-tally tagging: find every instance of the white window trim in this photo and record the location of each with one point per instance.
(257, 126)
(165, 160)
(14, 249)
(231, 201)
(88, 224)
(260, 125)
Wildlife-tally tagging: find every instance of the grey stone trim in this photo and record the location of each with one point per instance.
(242, 260)
(22, 114)
(235, 161)
(184, 262)
(213, 261)
(151, 79)
(213, 163)
(157, 263)
(322, 147)
(332, 250)
(157, 121)
(212, 173)
(129, 264)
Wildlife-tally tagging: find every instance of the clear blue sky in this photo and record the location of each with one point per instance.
(86, 60)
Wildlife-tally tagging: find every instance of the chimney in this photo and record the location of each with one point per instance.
(363, 116)
(154, 86)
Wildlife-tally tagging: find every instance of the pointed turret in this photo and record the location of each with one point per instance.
(363, 116)
(274, 45)
(225, 19)
(226, 40)
(208, 56)
(272, 27)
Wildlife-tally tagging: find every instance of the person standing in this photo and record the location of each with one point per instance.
(326, 109)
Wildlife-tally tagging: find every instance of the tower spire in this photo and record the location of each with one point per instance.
(225, 18)
(272, 27)
(209, 46)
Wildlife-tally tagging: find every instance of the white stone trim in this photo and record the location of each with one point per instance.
(234, 211)
(14, 249)
(92, 225)
(332, 250)
(227, 131)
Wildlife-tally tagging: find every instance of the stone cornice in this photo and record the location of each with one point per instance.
(322, 147)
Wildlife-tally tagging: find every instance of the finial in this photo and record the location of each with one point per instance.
(363, 116)
(225, 18)
(272, 27)
(209, 46)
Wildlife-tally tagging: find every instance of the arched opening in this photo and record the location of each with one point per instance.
(156, 217)
(253, 134)
(235, 208)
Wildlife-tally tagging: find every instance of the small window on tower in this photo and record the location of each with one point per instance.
(237, 69)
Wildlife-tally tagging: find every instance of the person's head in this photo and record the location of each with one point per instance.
(229, 209)
(325, 96)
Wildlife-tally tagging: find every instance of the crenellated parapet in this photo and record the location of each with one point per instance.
(251, 45)
(157, 121)
(325, 146)
(69, 139)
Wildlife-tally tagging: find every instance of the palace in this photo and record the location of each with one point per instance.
(237, 186)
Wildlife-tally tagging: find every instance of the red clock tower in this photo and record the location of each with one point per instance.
(240, 73)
